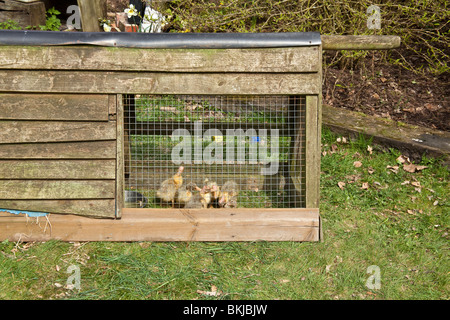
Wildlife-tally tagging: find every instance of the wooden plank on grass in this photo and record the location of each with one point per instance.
(173, 225)
(63, 150)
(57, 169)
(44, 131)
(56, 189)
(67, 107)
(301, 59)
(103, 208)
(160, 83)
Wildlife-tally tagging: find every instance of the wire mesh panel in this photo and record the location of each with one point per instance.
(214, 151)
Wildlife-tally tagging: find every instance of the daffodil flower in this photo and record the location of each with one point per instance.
(106, 28)
(131, 11)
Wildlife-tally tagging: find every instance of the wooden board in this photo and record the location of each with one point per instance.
(54, 107)
(302, 59)
(96, 208)
(171, 225)
(62, 150)
(57, 169)
(45, 131)
(159, 83)
(56, 189)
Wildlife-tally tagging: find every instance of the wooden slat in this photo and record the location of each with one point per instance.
(312, 151)
(44, 131)
(54, 107)
(57, 169)
(56, 189)
(172, 225)
(159, 83)
(302, 59)
(91, 208)
(70, 150)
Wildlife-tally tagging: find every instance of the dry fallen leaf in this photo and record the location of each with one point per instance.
(413, 168)
(365, 186)
(415, 183)
(357, 164)
(394, 169)
(213, 293)
(370, 170)
(333, 148)
(341, 185)
(369, 148)
(402, 159)
(405, 182)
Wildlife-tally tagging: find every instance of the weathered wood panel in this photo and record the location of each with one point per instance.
(57, 169)
(302, 59)
(173, 225)
(54, 107)
(69, 150)
(98, 208)
(56, 189)
(45, 131)
(159, 83)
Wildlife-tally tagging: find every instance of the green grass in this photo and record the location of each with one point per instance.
(391, 225)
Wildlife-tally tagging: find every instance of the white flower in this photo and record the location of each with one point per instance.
(106, 28)
(131, 11)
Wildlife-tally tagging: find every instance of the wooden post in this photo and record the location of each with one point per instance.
(91, 11)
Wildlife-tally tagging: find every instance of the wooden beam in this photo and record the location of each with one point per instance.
(302, 59)
(159, 83)
(171, 225)
(353, 42)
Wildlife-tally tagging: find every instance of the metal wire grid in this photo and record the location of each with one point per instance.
(248, 140)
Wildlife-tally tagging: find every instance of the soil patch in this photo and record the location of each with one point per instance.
(384, 90)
